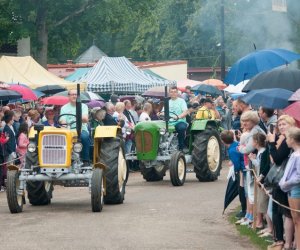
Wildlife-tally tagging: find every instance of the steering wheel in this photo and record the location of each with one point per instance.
(171, 119)
(65, 125)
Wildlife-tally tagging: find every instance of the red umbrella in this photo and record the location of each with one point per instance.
(293, 110)
(55, 100)
(27, 93)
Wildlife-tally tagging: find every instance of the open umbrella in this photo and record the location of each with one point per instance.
(293, 110)
(38, 93)
(215, 82)
(236, 89)
(92, 96)
(50, 89)
(27, 93)
(155, 92)
(295, 96)
(268, 98)
(207, 89)
(284, 78)
(6, 95)
(55, 100)
(95, 104)
(258, 61)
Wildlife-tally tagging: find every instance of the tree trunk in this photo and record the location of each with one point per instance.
(42, 34)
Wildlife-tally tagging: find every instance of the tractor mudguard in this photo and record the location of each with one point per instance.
(203, 124)
(106, 131)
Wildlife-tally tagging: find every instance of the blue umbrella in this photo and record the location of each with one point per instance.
(38, 93)
(205, 88)
(259, 61)
(268, 98)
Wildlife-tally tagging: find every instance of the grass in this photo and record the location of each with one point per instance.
(261, 243)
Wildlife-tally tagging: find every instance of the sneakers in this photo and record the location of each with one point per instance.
(246, 223)
(241, 221)
(240, 214)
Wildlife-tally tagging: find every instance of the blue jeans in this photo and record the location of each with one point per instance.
(180, 129)
(128, 146)
(86, 143)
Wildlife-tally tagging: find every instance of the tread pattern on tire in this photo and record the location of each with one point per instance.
(96, 191)
(37, 194)
(151, 174)
(199, 156)
(11, 193)
(173, 166)
(109, 154)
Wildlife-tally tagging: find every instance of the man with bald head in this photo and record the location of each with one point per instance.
(109, 120)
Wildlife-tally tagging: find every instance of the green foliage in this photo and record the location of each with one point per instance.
(151, 29)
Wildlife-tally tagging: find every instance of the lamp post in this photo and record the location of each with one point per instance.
(222, 42)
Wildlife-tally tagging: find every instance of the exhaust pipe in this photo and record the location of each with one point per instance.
(78, 114)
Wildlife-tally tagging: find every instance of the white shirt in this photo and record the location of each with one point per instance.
(144, 117)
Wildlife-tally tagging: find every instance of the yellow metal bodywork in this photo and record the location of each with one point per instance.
(106, 131)
(71, 137)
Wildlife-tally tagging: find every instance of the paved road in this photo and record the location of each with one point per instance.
(154, 216)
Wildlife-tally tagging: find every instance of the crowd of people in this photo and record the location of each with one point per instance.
(256, 140)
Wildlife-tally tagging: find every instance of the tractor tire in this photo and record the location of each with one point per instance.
(14, 200)
(112, 154)
(39, 192)
(177, 168)
(153, 173)
(206, 155)
(97, 190)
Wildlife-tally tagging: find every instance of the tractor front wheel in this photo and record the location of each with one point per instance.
(206, 155)
(14, 200)
(153, 173)
(97, 190)
(39, 192)
(177, 169)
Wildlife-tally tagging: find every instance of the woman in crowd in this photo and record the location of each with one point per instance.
(250, 121)
(49, 114)
(290, 181)
(11, 144)
(33, 117)
(279, 152)
(147, 110)
(23, 141)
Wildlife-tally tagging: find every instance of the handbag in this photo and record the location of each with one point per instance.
(275, 174)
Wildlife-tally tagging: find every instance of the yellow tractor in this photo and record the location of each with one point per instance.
(53, 157)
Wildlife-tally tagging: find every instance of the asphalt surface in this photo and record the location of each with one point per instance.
(153, 216)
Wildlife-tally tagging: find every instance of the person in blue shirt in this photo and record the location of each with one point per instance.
(237, 160)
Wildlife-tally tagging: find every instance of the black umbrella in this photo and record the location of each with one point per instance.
(50, 89)
(231, 192)
(209, 89)
(284, 78)
(6, 95)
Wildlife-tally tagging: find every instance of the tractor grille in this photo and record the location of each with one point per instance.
(54, 149)
(145, 136)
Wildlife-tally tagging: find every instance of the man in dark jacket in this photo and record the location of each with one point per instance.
(108, 119)
(11, 144)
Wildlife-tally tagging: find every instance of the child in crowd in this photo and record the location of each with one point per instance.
(261, 163)
(23, 142)
(290, 181)
(237, 160)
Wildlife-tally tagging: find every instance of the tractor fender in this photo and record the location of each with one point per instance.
(106, 131)
(200, 125)
(100, 165)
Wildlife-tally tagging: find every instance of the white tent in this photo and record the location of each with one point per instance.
(119, 75)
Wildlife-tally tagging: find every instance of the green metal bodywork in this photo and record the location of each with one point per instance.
(153, 128)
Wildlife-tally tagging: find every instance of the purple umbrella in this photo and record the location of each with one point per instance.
(95, 103)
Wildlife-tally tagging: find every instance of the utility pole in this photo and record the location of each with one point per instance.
(222, 42)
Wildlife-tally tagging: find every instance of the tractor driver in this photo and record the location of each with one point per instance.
(70, 108)
(178, 106)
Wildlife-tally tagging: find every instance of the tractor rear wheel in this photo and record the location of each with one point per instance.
(97, 190)
(206, 155)
(177, 168)
(112, 154)
(14, 200)
(39, 192)
(153, 173)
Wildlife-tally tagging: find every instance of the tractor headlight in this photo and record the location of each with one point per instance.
(31, 147)
(77, 147)
(162, 131)
(128, 131)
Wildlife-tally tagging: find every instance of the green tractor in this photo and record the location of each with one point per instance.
(157, 149)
